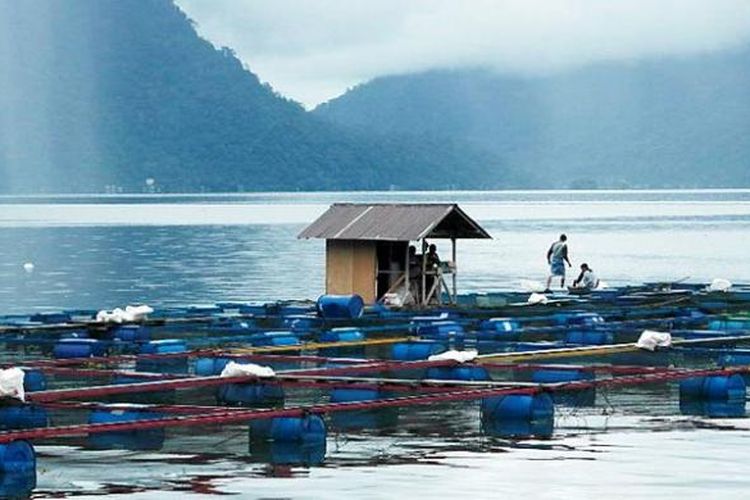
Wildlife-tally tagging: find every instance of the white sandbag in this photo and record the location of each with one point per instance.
(720, 285)
(399, 298)
(11, 383)
(532, 286)
(537, 298)
(459, 356)
(129, 314)
(650, 340)
(138, 312)
(243, 370)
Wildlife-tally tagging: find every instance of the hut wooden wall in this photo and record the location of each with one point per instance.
(351, 267)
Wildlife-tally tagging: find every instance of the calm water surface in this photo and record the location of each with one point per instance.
(97, 252)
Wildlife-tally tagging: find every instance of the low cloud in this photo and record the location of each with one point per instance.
(314, 51)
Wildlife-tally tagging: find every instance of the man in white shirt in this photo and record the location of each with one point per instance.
(587, 279)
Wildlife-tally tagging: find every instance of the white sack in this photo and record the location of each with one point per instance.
(537, 298)
(720, 285)
(460, 356)
(11, 383)
(650, 340)
(242, 370)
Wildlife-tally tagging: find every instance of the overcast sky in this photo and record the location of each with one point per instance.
(313, 50)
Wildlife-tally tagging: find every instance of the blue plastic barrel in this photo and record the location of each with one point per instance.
(589, 337)
(165, 346)
(249, 394)
(342, 335)
(440, 330)
(340, 306)
(282, 453)
(551, 376)
(206, 367)
(738, 357)
(34, 380)
(717, 387)
(415, 351)
(275, 339)
(518, 428)
(729, 324)
(307, 429)
(500, 325)
(17, 457)
(51, 318)
(131, 333)
(22, 416)
(713, 409)
(136, 439)
(460, 372)
(518, 407)
(347, 395)
(78, 348)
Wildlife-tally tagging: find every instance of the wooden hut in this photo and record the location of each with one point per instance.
(367, 248)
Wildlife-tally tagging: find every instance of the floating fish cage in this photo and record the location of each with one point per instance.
(295, 374)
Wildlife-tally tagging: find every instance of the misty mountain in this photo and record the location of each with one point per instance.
(104, 94)
(670, 122)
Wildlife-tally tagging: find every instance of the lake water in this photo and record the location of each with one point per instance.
(98, 252)
(107, 251)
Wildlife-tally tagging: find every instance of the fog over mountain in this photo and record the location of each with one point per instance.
(106, 94)
(127, 95)
(668, 122)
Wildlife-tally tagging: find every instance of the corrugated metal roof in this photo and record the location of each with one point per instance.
(393, 222)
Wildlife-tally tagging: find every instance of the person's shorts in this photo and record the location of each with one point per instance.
(557, 268)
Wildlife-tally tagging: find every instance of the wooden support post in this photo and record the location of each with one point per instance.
(423, 291)
(455, 268)
(407, 282)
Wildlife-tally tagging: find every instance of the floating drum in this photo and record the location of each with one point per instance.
(281, 453)
(415, 351)
(22, 416)
(17, 457)
(348, 395)
(275, 339)
(340, 306)
(441, 330)
(34, 380)
(589, 337)
(206, 367)
(500, 325)
(166, 364)
(342, 335)
(249, 394)
(136, 439)
(713, 409)
(718, 387)
(307, 429)
(738, 357)
(550, 376)
(514, 428)
(131, 333)
(78, 348)
(51, 318)
(518, 407)
(461, 372)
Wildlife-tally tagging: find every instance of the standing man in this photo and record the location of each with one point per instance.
(557, 256)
